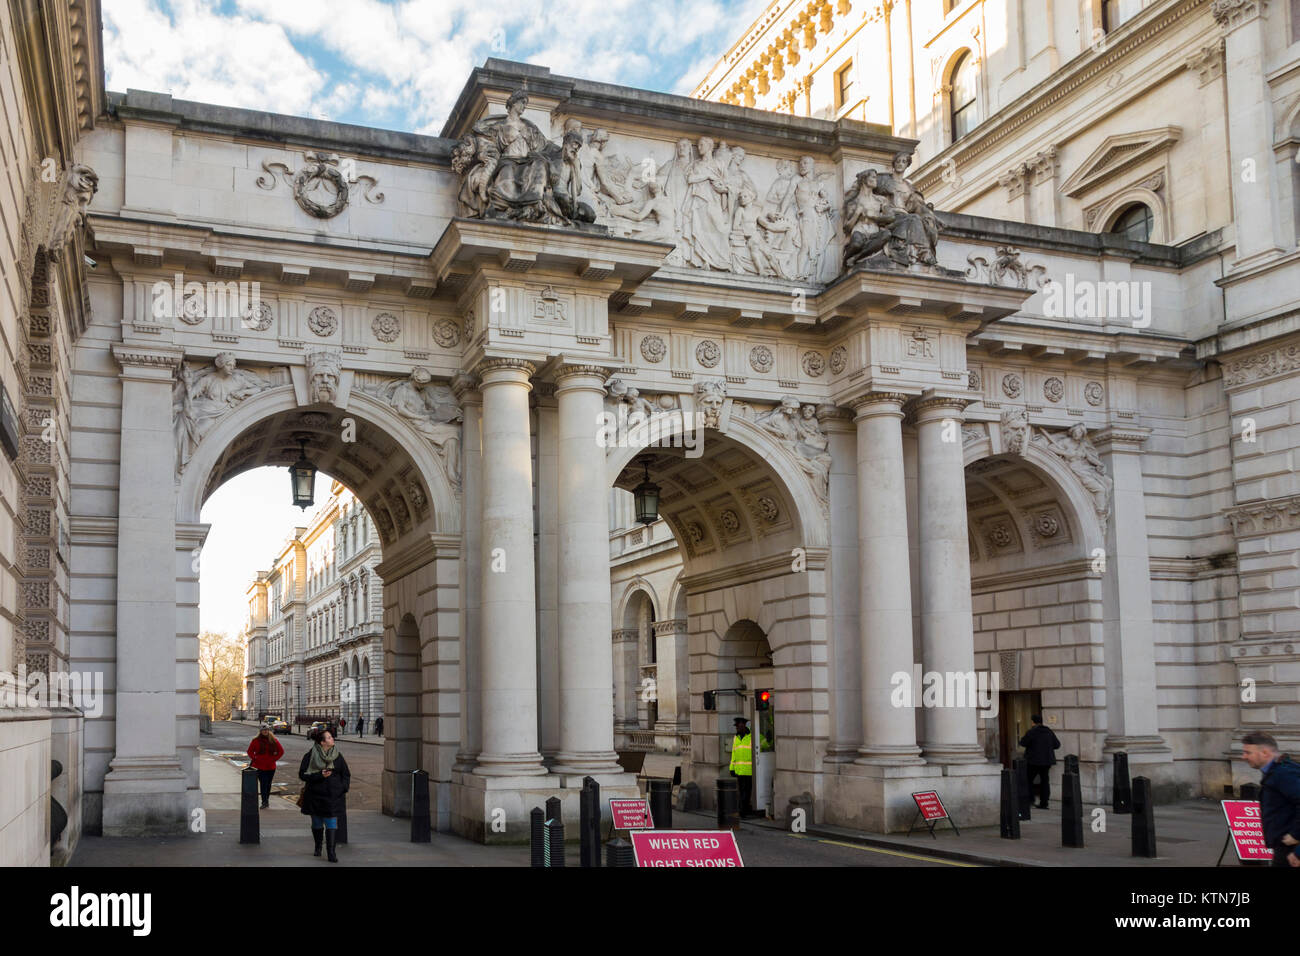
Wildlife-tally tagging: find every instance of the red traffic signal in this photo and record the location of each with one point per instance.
(764, 699)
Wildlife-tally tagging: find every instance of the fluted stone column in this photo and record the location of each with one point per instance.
(885, 616)
(508, 635)
(947, 631)
(586, 658)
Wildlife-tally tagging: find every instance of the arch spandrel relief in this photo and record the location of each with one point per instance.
(205, 393)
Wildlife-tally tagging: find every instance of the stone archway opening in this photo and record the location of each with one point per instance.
(1037, 609)
(749, 584)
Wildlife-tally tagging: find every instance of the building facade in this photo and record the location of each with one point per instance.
(885, 445)
(314, 638)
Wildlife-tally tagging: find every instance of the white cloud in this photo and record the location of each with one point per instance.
(402, 64)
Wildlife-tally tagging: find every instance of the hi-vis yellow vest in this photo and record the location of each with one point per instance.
(742, 756)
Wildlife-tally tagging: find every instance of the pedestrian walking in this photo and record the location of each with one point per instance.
(343, 725)
(361, 726)
(325, 777)
(379, 726)
(263, 753)
(1279, 796)
(742, 764)
(1040, 754)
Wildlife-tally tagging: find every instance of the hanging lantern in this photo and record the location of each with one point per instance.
(302, 475)
(646, 496)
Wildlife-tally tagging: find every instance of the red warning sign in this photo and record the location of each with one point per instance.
(630, 814)
(685, 848)
(931, 807)
(1246, 828)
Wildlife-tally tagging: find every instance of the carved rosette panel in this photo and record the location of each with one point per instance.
(708, 353)
(1012, 386)
(322, 321)
(386, 327)
(814, 364)
(761, 359)
(1093, 393)
(446, 333)
(258, 316)
(839, 359)
(653, 349)
(1053, 389)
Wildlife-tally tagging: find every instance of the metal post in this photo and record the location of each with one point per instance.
(1071, 763)
(728, 797)
(1144, 819)
(1121, 792)
(1024, 797)
(421, 828)
(1010, 812)
(661, 803)
(1071, 809)
(1250, 791)
(555, 842)
(584, 825)
(592, 830)
(537, 836)
(250, 828)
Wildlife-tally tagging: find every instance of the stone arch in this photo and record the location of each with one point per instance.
(276, 412)
(637, 584)
(1121, 201)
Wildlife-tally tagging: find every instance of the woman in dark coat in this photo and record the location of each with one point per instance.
(326, 775)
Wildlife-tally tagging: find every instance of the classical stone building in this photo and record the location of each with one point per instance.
(884, 442)
(314, 638)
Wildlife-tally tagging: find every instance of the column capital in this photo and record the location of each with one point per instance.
(464, 385)
(1120, 438)
(932, 407)
(154, 361)
(872, 404)
(492, 371)
(1231, 14)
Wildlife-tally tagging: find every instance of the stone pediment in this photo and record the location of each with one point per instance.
(1117, 154)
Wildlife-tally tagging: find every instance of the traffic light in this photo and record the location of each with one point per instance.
(710, 701)
(764, 699)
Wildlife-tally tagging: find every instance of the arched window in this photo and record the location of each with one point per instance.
(962, 97)
(1134, 222)
(1111, 15)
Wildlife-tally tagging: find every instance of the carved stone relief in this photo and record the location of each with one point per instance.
(801, 434)
(1081, 457)
(386, 327)
(321, 187)
(204, 395)
(431, 409)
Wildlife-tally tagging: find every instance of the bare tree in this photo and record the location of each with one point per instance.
(221, 673)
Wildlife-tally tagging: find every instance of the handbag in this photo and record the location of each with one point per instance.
(302, 796)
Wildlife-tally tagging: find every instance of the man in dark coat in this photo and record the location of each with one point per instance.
(1279, 796)
(1040, 745)
(326, 777)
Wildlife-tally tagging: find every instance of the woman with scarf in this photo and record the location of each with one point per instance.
(325, 778)
(263, 752)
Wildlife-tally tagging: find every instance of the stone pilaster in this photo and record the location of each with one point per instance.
(145, 788)
(465, 387)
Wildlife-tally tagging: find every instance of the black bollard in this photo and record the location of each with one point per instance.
(661, 804)
(1144, 819)
(584, 825)
(593, 820)
(421, 826)
(537, 836)
(1250, 791)
(1010, 812)
(1023, 796)
(1121, 799)
(554, 843)
(1071, 809)
(728, 797)
(1071, 763)
(250, 828)
(618, 852)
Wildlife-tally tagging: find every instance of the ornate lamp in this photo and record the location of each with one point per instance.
(302, 475)
(646, 496)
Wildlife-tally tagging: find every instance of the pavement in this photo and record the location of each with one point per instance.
(1188, 834)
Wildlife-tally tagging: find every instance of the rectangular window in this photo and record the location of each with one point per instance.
(844, 86)
(1295, 21)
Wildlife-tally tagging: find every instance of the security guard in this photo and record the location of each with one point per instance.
(742, 764)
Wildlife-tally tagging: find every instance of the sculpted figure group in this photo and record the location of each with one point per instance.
(887, 222)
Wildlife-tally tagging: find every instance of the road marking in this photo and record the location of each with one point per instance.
(874, 849)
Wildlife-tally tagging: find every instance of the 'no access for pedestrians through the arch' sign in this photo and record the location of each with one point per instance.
(685, 848)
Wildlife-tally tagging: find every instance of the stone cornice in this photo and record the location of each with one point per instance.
(147, 356)
(1264, 517)
(1249, 369)
(772, 566)
(1135, 435)
(1231, 14)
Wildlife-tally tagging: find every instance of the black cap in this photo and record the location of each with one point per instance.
(740, 720)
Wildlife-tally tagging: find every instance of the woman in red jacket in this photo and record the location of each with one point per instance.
(265, 750)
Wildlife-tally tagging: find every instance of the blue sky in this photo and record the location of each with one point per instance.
(399, 65)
